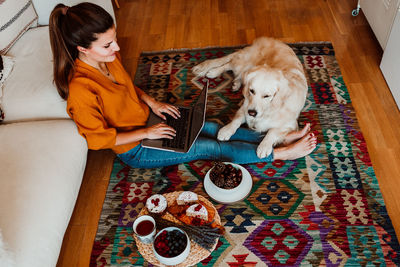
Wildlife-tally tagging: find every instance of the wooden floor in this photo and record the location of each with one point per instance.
(145, 25)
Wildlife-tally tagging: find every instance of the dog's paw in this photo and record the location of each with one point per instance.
(200, 69)
(213, 73)
(225, 133)
(263, 150)
(236, 85)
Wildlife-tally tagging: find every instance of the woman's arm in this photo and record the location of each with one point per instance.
(158, 107)
(145, 97)
(160, 130)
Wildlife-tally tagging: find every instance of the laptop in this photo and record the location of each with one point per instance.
(187, 127)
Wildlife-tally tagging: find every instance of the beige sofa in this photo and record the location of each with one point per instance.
(42, 156)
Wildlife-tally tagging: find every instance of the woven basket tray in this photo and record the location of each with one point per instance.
(197, 253)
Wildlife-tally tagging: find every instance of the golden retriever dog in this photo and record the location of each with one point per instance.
(274, 89)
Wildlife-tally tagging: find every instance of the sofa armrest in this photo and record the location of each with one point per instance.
(41, 165)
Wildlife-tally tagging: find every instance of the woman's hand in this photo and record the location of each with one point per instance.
(160, 130)
(159, 108)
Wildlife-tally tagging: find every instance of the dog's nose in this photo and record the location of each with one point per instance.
(252, 112)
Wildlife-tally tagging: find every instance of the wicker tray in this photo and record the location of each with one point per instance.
(197, 253)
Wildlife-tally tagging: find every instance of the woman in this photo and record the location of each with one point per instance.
(110, 112)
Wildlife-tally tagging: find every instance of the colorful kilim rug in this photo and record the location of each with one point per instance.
(322, 210)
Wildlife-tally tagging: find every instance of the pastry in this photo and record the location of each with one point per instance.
(187, 197)
(197, 211)
(156, 203)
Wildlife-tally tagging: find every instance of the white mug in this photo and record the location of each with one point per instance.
(146, 230)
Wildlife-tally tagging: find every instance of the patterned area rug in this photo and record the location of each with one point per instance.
(325, 209)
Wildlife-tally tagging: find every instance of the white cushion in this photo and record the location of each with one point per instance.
(29, 92)
(16, 16)
(42, 164)
(44, 7)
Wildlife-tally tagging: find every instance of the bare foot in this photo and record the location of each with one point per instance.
(298, 149)
(295, 135)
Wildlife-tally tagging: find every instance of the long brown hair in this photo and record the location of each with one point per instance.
(70, 27)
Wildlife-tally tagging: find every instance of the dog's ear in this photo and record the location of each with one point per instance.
(283, 82)
(248, 76)
(282, 89)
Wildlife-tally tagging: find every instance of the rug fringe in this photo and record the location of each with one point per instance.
(181, 50)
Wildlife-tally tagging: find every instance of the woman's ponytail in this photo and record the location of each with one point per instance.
(63, 62)
(70, 27)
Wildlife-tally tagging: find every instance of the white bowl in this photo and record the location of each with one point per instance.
(177, 259)
(227, 196)
(231, 190)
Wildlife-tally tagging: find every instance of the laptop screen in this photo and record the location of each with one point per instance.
(199, 114)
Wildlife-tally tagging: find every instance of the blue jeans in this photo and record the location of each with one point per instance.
(241, 149)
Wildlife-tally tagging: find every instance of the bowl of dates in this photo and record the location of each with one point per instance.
(226, 176)
(171, 246)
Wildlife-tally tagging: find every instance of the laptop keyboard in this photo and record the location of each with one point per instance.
(180, 125)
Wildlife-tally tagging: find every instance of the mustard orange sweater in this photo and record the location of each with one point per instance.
(101, 108)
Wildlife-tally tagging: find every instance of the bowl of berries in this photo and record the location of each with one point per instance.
(171, 246)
